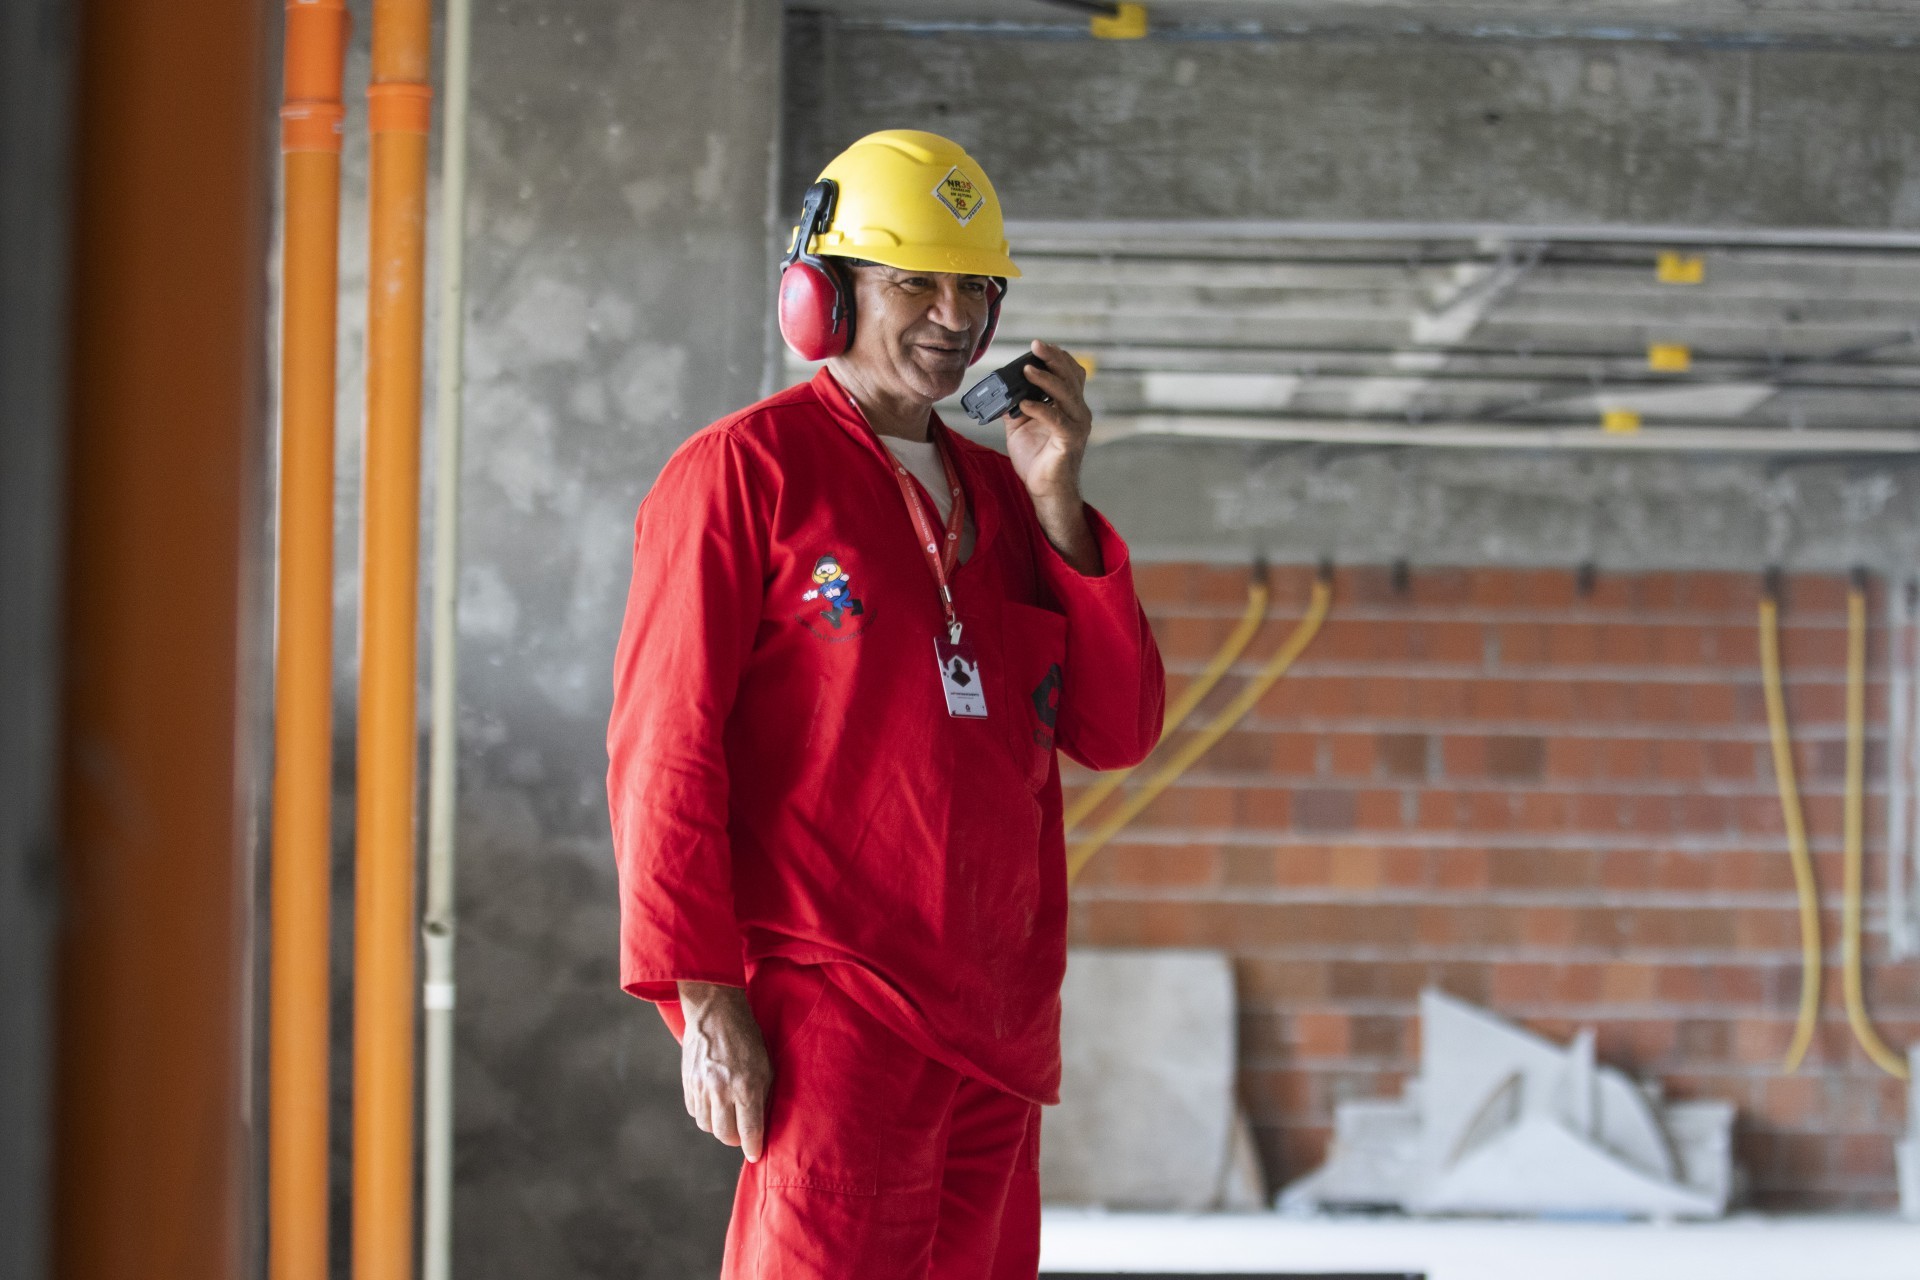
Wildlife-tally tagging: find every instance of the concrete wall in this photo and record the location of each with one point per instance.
(621, 161)
(1577, 132)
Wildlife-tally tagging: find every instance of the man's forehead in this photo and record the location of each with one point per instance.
(896, 273)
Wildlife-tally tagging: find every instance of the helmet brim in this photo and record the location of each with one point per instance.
(950, 261)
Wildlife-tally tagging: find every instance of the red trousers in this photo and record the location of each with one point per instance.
(880, 1164)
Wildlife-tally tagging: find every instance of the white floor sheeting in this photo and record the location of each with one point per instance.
(1740, 1248)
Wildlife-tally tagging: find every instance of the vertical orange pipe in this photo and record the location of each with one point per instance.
(398, 110)
(310, 130)
(169, 206)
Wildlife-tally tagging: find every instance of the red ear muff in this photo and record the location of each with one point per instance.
(816, 298)
(815, 316)
(995, 292)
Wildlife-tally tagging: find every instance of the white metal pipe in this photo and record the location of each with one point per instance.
(437, 924)
(1910, 895)
(1024, 231)
(1109, 428)
(1899, 703)
(1903, 759)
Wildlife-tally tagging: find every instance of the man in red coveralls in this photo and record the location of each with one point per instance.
(853, 643)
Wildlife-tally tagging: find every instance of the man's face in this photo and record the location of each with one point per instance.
(915, 332)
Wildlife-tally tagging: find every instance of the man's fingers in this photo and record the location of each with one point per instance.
(699, 1111)
(1032, 412)
(1048, 381)
(724, 1127)
(1054, 416)
(1061, 362)
(750, 1117)
(1064, 392)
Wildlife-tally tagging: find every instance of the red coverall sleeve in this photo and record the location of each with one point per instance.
(699, 556)
(1114, 697)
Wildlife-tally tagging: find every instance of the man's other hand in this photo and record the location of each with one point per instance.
(724, 1072)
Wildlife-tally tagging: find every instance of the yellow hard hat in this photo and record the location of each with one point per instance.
(915, 201)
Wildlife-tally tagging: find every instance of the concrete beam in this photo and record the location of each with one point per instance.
(1364, 128)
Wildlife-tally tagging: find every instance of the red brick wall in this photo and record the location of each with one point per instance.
(1558, 805)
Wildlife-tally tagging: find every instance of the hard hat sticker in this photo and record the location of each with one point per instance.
(960, 194)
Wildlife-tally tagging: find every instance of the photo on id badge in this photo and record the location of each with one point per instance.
(834, 610)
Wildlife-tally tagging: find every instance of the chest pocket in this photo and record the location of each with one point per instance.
(1033, 644)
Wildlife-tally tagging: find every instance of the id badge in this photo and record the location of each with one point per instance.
(960, 679)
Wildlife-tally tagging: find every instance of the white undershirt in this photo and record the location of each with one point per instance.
(922, 459)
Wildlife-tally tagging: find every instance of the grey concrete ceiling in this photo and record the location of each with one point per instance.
(1841, 20)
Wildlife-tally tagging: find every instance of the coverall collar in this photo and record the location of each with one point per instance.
(840, 406)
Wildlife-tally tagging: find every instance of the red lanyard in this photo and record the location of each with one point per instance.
(942, 554)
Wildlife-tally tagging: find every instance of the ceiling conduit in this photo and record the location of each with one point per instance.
(1110, 428)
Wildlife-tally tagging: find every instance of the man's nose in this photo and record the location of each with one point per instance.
(953, 309)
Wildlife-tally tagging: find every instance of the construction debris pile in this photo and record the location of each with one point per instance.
(1503, 1122)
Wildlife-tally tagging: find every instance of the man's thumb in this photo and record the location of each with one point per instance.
(752, 1129)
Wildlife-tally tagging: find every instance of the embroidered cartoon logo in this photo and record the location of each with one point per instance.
(960, 194)
(833, 588)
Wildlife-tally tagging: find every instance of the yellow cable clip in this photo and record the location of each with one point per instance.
(1129, 22)
(1680, 268)
(1669, 357)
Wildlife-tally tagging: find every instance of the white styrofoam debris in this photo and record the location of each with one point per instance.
(1501, 1121)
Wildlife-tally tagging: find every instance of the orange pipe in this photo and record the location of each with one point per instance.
(398, 110)
(169, 198)
(310, 128)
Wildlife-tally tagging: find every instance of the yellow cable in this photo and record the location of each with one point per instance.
(1796, 832)
(1216, 729)
(1190, 697)
(1883, 1057)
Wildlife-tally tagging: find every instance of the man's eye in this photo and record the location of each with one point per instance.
(974, 287)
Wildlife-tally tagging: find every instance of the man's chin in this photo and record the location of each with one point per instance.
(941, 378)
